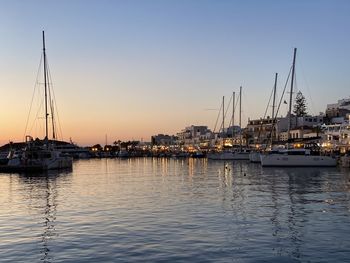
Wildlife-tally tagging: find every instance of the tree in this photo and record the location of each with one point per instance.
(299, 106)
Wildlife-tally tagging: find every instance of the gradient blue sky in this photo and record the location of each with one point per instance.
(131, 69)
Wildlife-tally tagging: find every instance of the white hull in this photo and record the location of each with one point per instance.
(228, 156)
(40, 159)
(284, 160)
(18, 165)
(254, 157)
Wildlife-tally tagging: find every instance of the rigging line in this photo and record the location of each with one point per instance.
(267, 107)
(52, 106)
(33, 95)
(235, 106)
(49, 91)
(37, 114)
(280, 102)
(217, 119)
(307, 85)
(55, 103)
(236, 103)
(230, 123)
(244, 117)
(228, 107)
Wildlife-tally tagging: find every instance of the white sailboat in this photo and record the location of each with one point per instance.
(39, 155)
(222, 155)
(295, 157)
(254, 156)
(232, 154)
(242, 154)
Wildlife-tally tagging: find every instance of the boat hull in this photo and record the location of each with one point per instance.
(64, 162)
(254, 157)
(297, 160)
(228, 156)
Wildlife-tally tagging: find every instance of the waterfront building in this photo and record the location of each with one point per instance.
(261, 130)
(231, 137)
(337, 136)
(301, 133)
(197, 136)
(336, 110)
(163, 139)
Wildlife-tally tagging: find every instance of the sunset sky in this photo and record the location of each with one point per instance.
(132, 69)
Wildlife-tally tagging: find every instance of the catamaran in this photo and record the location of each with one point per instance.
(39, 155)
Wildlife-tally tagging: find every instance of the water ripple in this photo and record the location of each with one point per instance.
(165, 210)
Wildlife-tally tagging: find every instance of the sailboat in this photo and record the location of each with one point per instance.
(242, 154)
(254, 156)
(232, 154)
(38, 155)
(295, 157)
(222, 155)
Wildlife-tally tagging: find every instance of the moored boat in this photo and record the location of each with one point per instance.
(39, 155)
(254, 157)
(296, 157)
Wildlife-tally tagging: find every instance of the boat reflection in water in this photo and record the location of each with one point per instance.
(41, 196)
(176, 210)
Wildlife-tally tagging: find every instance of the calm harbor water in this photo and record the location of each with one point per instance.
(166, 210)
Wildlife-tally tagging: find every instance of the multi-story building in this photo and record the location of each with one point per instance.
(261, 130)
(301, 127)
(337, 136)
(339, 109)
(298, 134)
(162, 139)
(195, 136)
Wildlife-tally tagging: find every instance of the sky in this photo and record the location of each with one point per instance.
(127, 70)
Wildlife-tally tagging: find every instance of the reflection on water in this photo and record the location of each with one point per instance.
(36, 195)
(175, 210)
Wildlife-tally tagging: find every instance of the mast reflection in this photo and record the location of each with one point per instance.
(42, 195)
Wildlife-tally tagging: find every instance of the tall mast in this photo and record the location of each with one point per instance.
(53, 121)
(274, 97)
(45, 84)
(223, 116)
(273, 107)
(233, 116)
(240, 117)
(274, 119)
(291, 94)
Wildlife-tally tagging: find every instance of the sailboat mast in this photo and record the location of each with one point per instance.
(233, 116)
(223, 116)
(53, 121)
(273, 107)
(291, 94)
(274, 97)
(45, 84)
(240, 117)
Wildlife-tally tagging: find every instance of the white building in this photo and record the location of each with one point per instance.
(337, 136)
(336, 111)
(194, 135)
